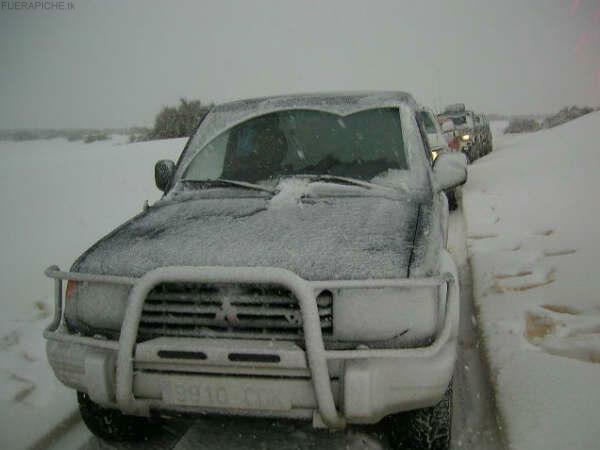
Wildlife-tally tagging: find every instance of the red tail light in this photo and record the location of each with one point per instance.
(71, 288)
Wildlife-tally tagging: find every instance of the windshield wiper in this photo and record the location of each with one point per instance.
(341, 180)
(220, 182)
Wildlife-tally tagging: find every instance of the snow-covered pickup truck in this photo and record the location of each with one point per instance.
(296, 267)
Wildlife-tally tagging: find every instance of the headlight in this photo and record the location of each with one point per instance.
(95, 306)
(434, 154)
(466, 137)
(385, 317)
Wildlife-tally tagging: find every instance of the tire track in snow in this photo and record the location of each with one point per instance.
(474, 424)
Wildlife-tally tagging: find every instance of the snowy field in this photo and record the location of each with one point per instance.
(533, 223)
(56, 198)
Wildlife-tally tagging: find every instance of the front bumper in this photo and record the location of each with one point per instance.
(253, 377)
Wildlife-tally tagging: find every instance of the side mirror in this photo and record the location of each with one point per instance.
(450, 170)
(163, 174)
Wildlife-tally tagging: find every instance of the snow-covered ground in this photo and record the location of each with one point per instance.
(533, 219)
(56, 199)
(497, 127)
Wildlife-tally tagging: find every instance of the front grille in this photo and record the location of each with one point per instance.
(200, 310)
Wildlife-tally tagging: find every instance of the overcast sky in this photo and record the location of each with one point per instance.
(115, 63)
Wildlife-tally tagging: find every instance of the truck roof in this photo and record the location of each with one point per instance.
(351, 99)
(455, 108)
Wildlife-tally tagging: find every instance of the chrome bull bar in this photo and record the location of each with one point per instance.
(304, 291)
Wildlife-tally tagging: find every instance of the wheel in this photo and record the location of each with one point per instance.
(452, 203)
(427, 428)
(468, 154)
(473, 152)
(111, 424)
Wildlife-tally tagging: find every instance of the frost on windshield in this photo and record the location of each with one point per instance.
(228, 115)
(360, 145)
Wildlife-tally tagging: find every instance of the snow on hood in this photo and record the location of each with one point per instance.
(294, 190)
(319, 238)
(290, 193)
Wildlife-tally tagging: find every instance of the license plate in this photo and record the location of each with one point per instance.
(225, 393)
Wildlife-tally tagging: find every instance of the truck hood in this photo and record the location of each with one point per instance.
(318, 239)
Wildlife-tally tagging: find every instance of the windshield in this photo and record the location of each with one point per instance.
(459, 120)
(293, 142)
(428, 123)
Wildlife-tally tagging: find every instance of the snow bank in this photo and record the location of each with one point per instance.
(56, 198)
(534, 241)
(497, 127)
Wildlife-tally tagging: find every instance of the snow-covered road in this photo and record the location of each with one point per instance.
(474, 424)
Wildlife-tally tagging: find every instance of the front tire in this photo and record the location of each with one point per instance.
(467, 153)
(452, 202)
(427, 428)
(111, 424)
